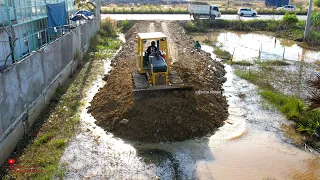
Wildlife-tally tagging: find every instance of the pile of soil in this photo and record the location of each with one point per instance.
(176, 116)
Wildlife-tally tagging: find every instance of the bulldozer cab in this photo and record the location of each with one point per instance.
(154, 76)
(155, 65)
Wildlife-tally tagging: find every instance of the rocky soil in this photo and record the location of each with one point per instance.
(176, 116)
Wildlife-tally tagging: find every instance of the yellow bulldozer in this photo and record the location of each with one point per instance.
(154, 75)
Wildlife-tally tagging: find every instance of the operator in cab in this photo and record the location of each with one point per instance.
(152, 49)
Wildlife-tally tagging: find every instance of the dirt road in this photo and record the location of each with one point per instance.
(172, 117)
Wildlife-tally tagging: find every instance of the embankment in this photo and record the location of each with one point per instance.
(171, 117)
(27, 87)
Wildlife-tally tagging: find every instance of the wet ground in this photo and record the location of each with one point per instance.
(251, 145)
(246, 46)
(180, 17)
(290, 79)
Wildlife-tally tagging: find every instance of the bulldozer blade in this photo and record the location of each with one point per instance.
(159, 90)
(142, 88)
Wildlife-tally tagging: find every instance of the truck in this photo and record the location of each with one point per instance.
(203, 10)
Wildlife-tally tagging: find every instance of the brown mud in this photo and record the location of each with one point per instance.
(172, 117)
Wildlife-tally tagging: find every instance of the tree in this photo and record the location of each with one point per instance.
(84, 4)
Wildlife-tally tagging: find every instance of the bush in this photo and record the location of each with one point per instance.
(307, 121)
(313, 38)
(315, 19)
(317, 3)
(109, 27)
(126, 25)
(197, 26)
(290, 19)
(222, 54)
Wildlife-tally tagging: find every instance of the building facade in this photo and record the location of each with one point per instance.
(24, 27)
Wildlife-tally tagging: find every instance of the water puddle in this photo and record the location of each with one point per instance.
(250, 145)
(246, 46)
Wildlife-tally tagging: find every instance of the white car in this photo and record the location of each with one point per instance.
(247, 12)
(287, 8)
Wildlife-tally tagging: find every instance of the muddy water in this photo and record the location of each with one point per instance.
(246, 46)
(249, 146)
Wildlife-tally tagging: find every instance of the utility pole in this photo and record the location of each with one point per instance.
(306, 31)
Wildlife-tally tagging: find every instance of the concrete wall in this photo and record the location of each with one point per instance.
(28, 86)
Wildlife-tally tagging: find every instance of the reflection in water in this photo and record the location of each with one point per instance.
(245, 46)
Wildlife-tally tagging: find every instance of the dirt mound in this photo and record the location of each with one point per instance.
(173, 117)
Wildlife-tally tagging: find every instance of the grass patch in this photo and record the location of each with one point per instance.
(44, 139)
(241, 63)
(182, 9)
(272, 63)
(145, 9)
(254, 77)
(222, 54)
(307, 121)
(251, 76)
(45, 143)
(125, 25)
(59, 143)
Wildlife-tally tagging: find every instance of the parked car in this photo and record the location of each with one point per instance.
(86, 13)
(204, 11)
(247, 12)
(287, 8)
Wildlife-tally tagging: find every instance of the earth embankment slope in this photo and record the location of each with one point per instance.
(171, 117)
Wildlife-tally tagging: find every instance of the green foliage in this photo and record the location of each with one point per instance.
(252, 25)
(158, 9)
(241, 63)
(196, 26)
(313, 38)
(222, 54)
(146, 9)
(254, 77)
(45, 143)
(288, 105)
(291, 29)
(59, 143)
(104, 40)
(44, 139)
(126, 25)
(273, 63)
(315, 19)
(317, 3)
(290, 18)
(307, 121)
(84, 4)
(109, 27)
(250, 76)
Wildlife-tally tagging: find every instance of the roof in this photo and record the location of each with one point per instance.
(151, 35)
